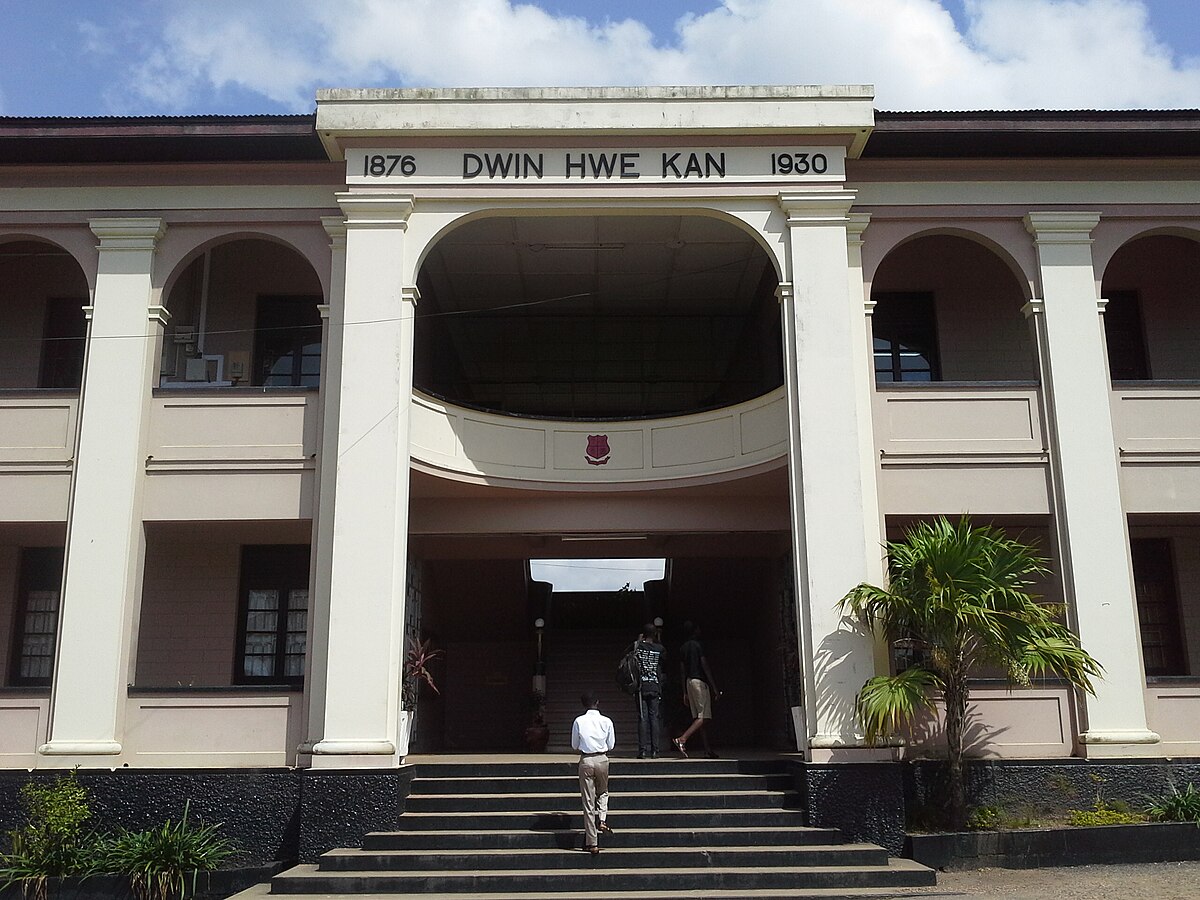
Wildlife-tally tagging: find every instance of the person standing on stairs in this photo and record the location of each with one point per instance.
(700, 689)
(593, 736)
(649, 692)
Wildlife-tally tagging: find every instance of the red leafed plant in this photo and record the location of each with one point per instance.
(416, 665)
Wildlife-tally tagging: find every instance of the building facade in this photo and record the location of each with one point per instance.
(281, 394)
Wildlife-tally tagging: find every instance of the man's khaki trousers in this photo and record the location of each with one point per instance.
(593, 788)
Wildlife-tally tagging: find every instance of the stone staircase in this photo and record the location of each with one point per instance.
(684, 828)
(587, 660)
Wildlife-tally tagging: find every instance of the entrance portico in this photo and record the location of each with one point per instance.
(420, 165)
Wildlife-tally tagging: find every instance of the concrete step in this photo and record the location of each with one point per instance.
(568, 781)
(565, 763)
(631, 857)
(263, 891)
(568, 838)
(516, 820)
(619, 801)
(593, 873)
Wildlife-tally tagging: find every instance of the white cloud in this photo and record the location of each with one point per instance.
(1015, 53)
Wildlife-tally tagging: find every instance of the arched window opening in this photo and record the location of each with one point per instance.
(1152, 318)
(244, 313)
(42, 295)
(948, 308)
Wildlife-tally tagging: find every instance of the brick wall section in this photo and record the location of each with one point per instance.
(188, 627)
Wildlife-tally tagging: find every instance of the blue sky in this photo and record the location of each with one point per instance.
(146, 57)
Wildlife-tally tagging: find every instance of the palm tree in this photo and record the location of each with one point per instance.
(960, 594)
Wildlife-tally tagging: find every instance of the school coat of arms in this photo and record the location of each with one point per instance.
(598, 452)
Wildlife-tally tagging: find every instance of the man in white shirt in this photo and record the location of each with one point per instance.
(593, 736)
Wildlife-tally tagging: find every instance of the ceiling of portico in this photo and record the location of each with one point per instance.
(597, 316)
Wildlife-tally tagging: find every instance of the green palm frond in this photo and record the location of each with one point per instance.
(886, 702)
(965, 594)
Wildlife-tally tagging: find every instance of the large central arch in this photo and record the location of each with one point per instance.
(597, 317)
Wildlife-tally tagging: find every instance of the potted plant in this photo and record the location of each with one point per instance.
(416, 672)
(537, 734)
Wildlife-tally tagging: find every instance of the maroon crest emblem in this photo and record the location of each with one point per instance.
(597, 449)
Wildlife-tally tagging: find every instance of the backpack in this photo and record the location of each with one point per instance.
(629, 671)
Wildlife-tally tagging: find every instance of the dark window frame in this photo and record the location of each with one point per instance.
(911, 319)
(283, 568)
(64, 344)
(279, 336)
(40, 569)
(1165, 577)
(1125, 337)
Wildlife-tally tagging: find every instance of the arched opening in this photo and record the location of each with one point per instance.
(1152, 318)
(597, 317)
(244, 312)
(1152, 330)
(949, 309)
(42, 295)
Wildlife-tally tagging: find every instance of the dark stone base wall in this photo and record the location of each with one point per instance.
(877, 802)
(865, 801)
(273, 815)
(1045, 786)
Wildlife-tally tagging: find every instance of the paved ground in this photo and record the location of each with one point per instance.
(1158, 881)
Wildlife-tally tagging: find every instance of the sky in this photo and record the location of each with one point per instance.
(596, 574)
(164, 57)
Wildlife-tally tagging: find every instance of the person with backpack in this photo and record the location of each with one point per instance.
(649, 655)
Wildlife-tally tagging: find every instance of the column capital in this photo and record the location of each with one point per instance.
(410, 295)
(817, 207)
(1033, 307)
(335, 227)
(856, 224)
(784, 292)
(159, 314)
(1062, 227)
(377, 210)
(128, 233)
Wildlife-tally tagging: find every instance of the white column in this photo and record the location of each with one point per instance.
(366, 547)
(1091, 526)
(834, 514)
(333, 317)
(105, 549)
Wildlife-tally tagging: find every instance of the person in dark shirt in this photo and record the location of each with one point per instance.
(700, 689)
(649, 693)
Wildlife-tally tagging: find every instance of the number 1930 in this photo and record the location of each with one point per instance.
(799, 163)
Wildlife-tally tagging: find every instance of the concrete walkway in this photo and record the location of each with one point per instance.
(1155, 881)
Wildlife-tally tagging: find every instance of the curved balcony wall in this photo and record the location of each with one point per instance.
(474, 445)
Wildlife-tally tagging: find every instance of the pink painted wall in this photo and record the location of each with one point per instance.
(188, 626)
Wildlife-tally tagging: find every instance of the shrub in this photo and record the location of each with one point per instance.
(1177, 806)
(52, 843)
(159, 860)
(1103, 814)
